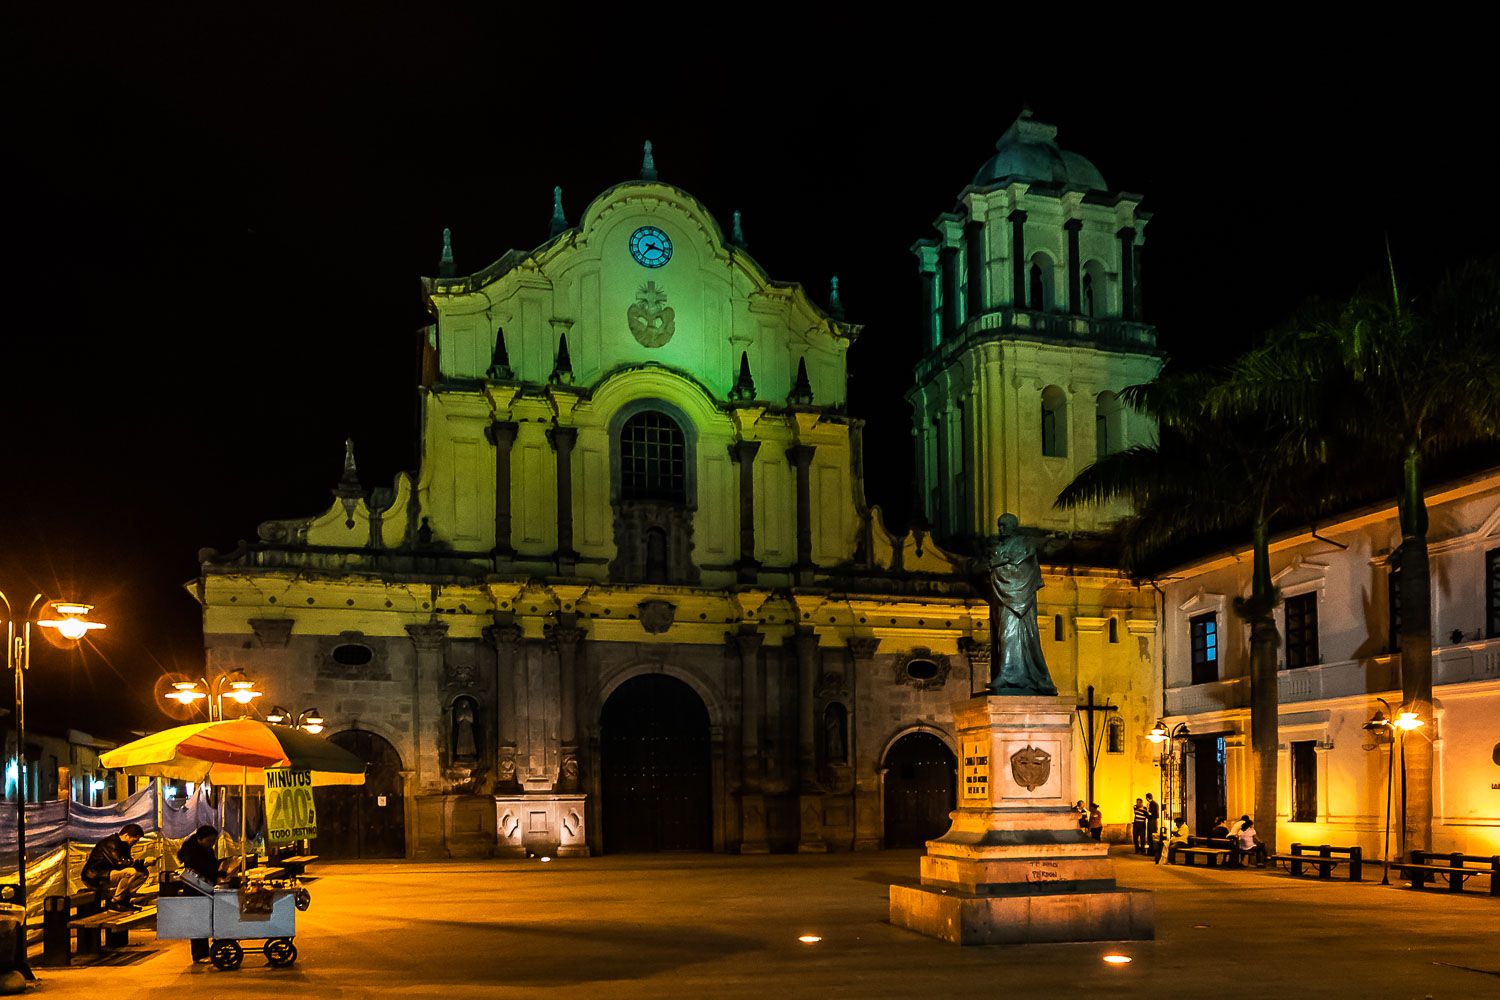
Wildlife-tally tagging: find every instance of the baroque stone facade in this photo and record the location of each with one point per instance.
(634, 596)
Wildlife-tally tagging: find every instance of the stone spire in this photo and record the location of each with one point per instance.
(737, 233)
(801, 394)
(499, 370)
(349, 491)
(835, 303)
(562, 371)
(648, 164)
(445, 263)
(559, 220)
(744, 386)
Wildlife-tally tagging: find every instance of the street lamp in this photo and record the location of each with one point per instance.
(71, 623)
(234, 686)
(1383, 729)
(309, 721)
(1166, 739)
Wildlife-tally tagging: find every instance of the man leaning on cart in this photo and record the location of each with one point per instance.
(110, 871)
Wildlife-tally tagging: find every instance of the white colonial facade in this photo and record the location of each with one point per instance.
(1339, 659)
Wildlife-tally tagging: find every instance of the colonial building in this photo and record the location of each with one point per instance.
(1339, 619)
(634, 597)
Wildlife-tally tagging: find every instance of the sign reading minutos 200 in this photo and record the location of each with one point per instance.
(289, 805)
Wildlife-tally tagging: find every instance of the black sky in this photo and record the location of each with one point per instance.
(216, 221)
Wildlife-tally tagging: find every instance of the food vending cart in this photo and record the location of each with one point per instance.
(259, 908)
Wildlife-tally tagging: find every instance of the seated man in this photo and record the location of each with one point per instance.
(1219, 830)
(1177, 836)
(109, 869)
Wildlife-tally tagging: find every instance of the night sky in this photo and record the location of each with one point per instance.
(214, 229)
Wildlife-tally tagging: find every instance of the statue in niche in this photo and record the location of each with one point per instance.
(835, 734)
(465, 738)
(1018, 667)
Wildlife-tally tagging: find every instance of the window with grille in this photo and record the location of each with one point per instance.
(1204, 633)
(653, 463)
(1394, 603)
(1304, 781)
(1302, 630)
(1492, 592)
(1115, 736)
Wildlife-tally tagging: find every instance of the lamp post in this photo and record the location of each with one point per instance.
(71, 623)
(1387, 730)
(1166, 739)
(310, 721)
(240, 689)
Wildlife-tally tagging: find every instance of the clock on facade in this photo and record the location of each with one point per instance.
(650, 247)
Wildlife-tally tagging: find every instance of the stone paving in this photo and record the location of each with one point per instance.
(727, 926)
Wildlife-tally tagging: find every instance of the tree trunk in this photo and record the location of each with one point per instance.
(1265, 722)
(1416, 657)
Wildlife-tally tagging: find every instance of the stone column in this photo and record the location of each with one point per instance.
(426, 812)
(502, 434)
(929, 308)
(800, 457)
(952, 318)
(810, 792)
(1018, 259)
(565, 637)
(869, 814)
(743, 452)
(505, 635)
(752, 689)
(977, 301)
(1127, 272)
(562, 440)
(1075, 267)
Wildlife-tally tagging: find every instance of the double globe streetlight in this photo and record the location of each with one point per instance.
(66, 623)
(233, 685)
(1384, 729)
(1166, 739)
(310, 721)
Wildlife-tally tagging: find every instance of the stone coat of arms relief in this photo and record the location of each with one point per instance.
(1031, 766)
(652, 321)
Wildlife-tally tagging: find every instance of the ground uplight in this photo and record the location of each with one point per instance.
(809, 939)
(1117, 959)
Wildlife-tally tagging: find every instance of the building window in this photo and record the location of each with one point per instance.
(653, 463)
(1304, 781)
(1107, 439)
(1054, 423)
(1204, 632)
(1088, 295)
(1114, 736)
(1492, 592)
(1394, 603)
(1057, 628)
(1037, 294)
(1114, 630)
(1302, 630)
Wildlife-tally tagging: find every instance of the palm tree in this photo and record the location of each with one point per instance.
(1209, 476)
(1404, 381)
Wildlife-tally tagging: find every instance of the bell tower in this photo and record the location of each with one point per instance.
(1032, 326)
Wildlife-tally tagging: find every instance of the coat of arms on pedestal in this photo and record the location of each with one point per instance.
(652, 321)
(1030, 767)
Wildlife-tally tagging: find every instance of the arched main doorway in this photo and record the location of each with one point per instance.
(921, 782)
(369, 820)
(655, 771)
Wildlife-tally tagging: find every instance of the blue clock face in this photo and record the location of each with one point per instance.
(650, 247)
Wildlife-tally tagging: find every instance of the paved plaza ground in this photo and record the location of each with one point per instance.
(727, 926)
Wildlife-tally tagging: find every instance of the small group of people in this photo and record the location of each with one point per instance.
(1090, 820)
(1243, 841)
(1145, 818)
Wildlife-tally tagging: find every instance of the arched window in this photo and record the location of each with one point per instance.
(1094, 290)
(1036, 296)
(1039, 286)
(1108, 437)
(653, 463)
(1088, 295)
(1054, 423)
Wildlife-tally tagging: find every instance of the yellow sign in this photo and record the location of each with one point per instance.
(289, 806)
(976, 769)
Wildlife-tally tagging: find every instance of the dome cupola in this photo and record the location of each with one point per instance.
(1028, 151)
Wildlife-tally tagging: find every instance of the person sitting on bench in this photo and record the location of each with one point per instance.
(1246, 844)
(109, 870)
(1177, 837)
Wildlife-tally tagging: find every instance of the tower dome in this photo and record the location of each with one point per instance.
(1028, 151)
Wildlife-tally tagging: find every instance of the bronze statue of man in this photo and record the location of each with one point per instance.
(1015, 576)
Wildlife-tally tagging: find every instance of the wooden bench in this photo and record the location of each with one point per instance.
(1211, 849)
(108, 928)
(83, 914)
(1324, 858)
(1457, 867)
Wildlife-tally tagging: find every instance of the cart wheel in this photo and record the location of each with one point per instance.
(280, 952)
(302, 898)
(227, 955)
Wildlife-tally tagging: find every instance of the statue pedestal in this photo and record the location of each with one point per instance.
(1014, 867)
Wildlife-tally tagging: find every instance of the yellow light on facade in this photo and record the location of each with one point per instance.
(1409, 721)
(1117, 959)
(809, 939)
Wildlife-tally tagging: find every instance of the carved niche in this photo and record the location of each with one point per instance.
(654, 540)
(923, 669)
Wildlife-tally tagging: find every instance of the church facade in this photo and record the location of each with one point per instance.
(635, 598)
